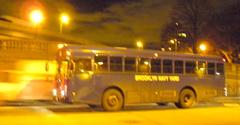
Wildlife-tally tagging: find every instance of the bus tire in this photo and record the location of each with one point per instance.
(187, 98)
(112, 100)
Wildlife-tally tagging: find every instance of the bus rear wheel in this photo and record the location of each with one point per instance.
(112, 100)
(187, 99)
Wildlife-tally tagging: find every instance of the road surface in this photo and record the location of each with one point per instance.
(227, 114)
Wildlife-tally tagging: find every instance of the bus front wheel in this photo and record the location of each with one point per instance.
(112, 100)
(187, 99)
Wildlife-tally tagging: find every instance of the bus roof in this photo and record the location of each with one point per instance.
(78, 50)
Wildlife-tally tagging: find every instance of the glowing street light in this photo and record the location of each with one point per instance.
(36, 17)
(64, 19)
(140, 44)
(175, 43)
(184, 35)
(172, 41)
(203, 47)
(169, 48)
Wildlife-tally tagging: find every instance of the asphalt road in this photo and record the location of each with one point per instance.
(203, 114)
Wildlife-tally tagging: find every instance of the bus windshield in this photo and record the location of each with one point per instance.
(82, 65)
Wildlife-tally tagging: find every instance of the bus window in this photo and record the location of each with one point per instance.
(116, 64)
(101, 63)
(201, 67)
(220, 69)
(211, 69)
(190, 67)
(178, 66)
(130, 64)
(167, 66)
(156, 66)
(143, 65)
(83, 65)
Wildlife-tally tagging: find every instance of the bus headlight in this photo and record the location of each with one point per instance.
(54, 92)
(225, 92)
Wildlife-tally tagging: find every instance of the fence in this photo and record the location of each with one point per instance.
(232, 74)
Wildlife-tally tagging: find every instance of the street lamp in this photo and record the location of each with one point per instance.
(172, 41)
(36, 17)
(202, 47)
(175, 43)
(183, 35)
(139, 44)
(64, 19)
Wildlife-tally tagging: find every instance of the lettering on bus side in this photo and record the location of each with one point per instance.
(156, 78)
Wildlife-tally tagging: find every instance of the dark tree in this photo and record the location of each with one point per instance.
(193, 15)
(171, 31)
(225, 25)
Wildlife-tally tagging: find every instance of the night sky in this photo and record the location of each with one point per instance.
(117, 22)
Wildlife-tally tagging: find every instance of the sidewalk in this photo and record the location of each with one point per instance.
(28, 103)
(235, 99)
(216, 101)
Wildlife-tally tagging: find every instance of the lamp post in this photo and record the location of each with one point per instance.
(64, 19)
(139, 45)
(36, 17)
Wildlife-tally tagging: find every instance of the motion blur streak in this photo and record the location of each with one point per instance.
(27, 79)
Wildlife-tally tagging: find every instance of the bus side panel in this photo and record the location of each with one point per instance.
(83, 89)
(205, 87)
(124, 81)
(91, 91)
(138, 91)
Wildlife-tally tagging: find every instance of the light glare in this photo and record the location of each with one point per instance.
(36, 16)
(203, 47)
(64, 18)
(139, 44)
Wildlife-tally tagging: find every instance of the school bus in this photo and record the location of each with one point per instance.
(115, 77)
